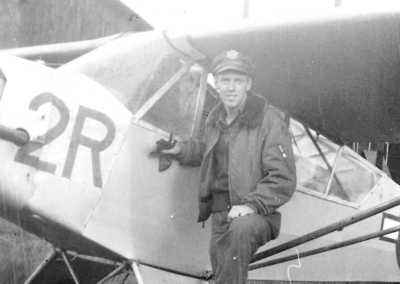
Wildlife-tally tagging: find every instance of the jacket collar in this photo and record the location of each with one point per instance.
(251, 116)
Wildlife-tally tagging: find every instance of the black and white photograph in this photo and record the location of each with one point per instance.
(199, 142)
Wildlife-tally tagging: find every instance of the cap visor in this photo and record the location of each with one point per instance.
(232, 67)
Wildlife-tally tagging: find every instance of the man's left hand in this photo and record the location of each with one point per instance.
(240, 210)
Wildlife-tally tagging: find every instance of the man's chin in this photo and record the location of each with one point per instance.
(231, 104)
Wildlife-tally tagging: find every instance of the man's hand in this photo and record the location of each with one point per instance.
(240, 210)
(175, 150)
(166, 151)
(167, 147)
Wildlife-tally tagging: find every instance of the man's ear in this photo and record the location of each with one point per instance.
(249, 84)
(215, 80)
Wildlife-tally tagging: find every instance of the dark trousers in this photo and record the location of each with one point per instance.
(233, 243)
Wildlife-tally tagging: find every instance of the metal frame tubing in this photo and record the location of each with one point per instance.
(52, 255)
(337, 226)
(325, 248)
(325, 159)
(69, 266)
(113, 273)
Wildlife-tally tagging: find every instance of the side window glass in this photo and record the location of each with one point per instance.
(353, 181)
(140, 67)
(175, 111)
(164, 70)
(339, 175)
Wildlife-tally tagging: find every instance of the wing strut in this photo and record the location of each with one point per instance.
(337, 226)
(70, 269)
(326, 248)
(41, 267)
(138, 275)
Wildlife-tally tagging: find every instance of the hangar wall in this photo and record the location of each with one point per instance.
(34, 22)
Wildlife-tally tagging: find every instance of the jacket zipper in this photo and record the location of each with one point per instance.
(229, 175)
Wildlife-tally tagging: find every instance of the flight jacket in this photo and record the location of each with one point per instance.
(261, 166)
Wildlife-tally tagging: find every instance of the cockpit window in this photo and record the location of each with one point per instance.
(133, 68)
(352, 180)
(175, 111)
(160, 86)
(163, 71)
(331, 172)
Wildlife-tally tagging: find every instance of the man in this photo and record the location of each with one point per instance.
(247, 169)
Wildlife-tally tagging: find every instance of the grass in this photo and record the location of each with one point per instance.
(20, 253)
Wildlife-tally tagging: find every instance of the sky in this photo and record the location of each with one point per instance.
(188, 14)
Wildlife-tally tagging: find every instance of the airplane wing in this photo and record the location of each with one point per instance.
(332, 72)
(338, 73)
(59, 53)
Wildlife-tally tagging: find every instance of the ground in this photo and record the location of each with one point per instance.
(20, 253)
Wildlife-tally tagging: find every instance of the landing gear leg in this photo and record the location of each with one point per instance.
(52, 255)
(138, 275)
(67, 256)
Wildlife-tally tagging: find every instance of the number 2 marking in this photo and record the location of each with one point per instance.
(24, 156)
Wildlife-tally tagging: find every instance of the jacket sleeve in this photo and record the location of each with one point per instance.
(191, 152)
(278, 180)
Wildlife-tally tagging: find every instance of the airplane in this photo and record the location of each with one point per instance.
(80, 171)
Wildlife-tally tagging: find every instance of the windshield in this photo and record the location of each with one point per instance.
(131, 67)
(175, 111)
(160, 86)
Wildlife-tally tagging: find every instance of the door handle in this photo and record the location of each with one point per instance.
(164, 159)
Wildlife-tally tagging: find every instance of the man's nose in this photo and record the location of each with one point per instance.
(231, 85)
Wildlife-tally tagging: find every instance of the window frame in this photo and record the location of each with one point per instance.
(163, 90)
(325, 195)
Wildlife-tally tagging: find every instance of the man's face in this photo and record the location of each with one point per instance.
(232, 88)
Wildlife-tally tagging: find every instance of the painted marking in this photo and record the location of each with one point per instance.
(76, 126)
(24, 154)
(96, 146)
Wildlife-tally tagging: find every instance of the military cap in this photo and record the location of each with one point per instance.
(232, 60)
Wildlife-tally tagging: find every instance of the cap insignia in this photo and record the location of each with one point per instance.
(232, 54)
